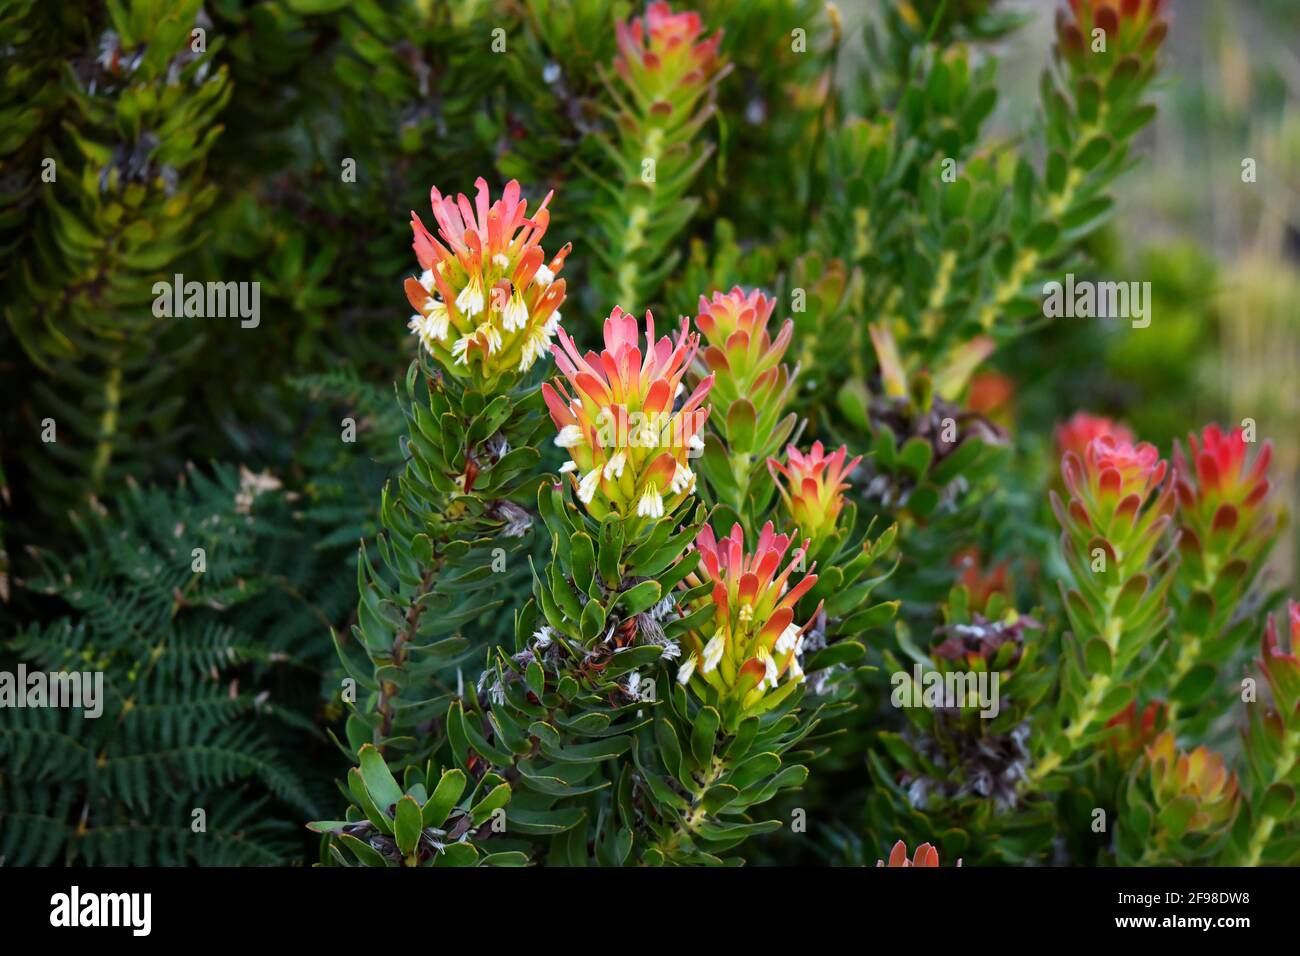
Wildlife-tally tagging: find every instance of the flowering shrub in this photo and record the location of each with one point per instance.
(757, 524)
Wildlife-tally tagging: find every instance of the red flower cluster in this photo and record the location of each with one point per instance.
(1221, 497)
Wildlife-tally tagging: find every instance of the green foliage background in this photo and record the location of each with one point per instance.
(810, 168)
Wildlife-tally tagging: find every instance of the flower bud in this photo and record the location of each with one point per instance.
(664, 61)
(1128, 28)
(813, 490)
(1222, 499)
(1281, 668)
(1076, 433)
(926, 855)
(1131, 733)
(1198, 780)
(1116, 500)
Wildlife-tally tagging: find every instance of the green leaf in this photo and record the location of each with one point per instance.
(409, 824)
(704, 735)
(1176, 815)
(380, 781)
(640, 597)
(456, 854)
(450, 786)
(363, 851)
(1057, 170)
(711, 830)
(357, 788)
(599, 750)
(1093, 152)
(841, 652)
(316, 6)
(915, 456)
(740, 426)
(496, 798)
(535, 678)
(506, 858)
(1196, 683)
(593, 620)
(611, 548)
(582, 553)
(542, 822)
(1279, 801)
(753, 769)
(1097, 657)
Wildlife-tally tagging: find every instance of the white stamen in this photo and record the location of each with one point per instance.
(786, 642)
(437, 323)
(515, 315)
(614, 467)
(470, 300)
(569, 436)
(460, 349)
(713, 652)
(683, 479)
(489, 333)
(651, 504)
(534, 348)
(587, 487)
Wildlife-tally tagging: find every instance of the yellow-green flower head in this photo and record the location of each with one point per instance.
(1200, 777)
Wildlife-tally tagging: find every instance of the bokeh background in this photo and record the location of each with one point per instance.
(168, 430)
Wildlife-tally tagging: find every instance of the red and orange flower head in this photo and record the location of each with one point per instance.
(814, 486)
(1116, 500)
(926, 855)
(486, 305)
(739, 347)
(751, 645)
(1078, 432)
(1199, 779)
(981, 583)
(992, 395)
(1130, 28)
(628, 448)
(1222, 498)
(1132, 732)
(1281, 669)
(665, 61)
(751, 383)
